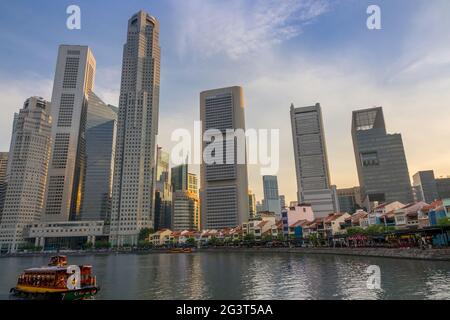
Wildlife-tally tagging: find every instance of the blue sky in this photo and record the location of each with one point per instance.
(299, 51)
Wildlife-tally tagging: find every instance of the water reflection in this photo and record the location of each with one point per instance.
(219, 275)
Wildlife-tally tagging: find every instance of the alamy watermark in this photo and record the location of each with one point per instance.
(374, 280)
(230, 146)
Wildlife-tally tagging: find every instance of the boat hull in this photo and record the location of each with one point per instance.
(78, 294)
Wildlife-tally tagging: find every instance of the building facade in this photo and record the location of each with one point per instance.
(380, 160)
(100, 138)
(349, 199)
(311, 160)
(271, 195)
(3, 170)
(134, 172)
(424, 186)
(179, 177)
(224, 184)
(186, 211)
(74, 80)
(443, 187)
(251, 205)
(192, 185)
(24, 198)
(163, 192)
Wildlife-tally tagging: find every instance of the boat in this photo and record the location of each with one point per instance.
(57, 281)
(180, 250)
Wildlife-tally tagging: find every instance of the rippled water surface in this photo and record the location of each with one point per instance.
(218, 275)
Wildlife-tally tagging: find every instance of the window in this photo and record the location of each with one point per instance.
(369, 159)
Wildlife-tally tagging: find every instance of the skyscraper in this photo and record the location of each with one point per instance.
(424, 186)
(179, 177)
(349, 199)
(100, 145)
(224, 186)
(186, 211)
(134, 173)
(271, 197)
(74, 80)
(24, 199)
(282, 201)
(192, 183)
(311, 161)
(443, 187)
(3, 169)
(163, 191)
(380, 159)
(251, 204)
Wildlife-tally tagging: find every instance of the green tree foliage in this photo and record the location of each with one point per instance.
(145, 233)
(444, 221)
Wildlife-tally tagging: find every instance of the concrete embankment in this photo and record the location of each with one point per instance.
(404, 253)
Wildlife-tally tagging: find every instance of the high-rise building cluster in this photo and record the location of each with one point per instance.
(80, 170)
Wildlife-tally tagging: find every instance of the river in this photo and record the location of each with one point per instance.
(243, 275)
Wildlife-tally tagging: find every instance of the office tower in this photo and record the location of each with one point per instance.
(443, 187)
(24, 199)
(134, 190)
(311, 161)
(186, 211)
(271, 197)
(259, 207)
(192, 183)
(163, 192)
(179, 177)
(380, 160)
(424, 186)
(251, 204)
(162, 165)
(282, 201)
(3, 169)
(224, 186)
(349, 199)
(100, 138)
(74, 80)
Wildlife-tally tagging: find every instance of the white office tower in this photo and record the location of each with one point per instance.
(311, 162)
(74, 80)
(24, 198)
(133, 190)
(224, 187)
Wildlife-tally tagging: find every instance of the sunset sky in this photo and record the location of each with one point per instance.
(280, 52)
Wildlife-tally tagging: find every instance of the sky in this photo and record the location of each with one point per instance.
(279, 51)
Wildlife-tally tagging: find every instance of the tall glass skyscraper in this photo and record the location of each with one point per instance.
(134, 173)
(271, 196)
(311, 160)
(100, 145)
(163, 192)
(179, 177)
(380, 160)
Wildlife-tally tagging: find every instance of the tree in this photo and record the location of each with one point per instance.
(353, 231)
(267, 238)
(444, 221)
(102, 245)
(88, 245)
(250, 237)
(145, 233)
(191, 241)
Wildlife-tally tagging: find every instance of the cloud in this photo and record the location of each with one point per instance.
(237, 28)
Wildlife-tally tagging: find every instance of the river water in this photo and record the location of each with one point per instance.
(242, 275)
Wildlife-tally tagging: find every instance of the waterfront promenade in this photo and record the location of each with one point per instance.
(435, 254)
